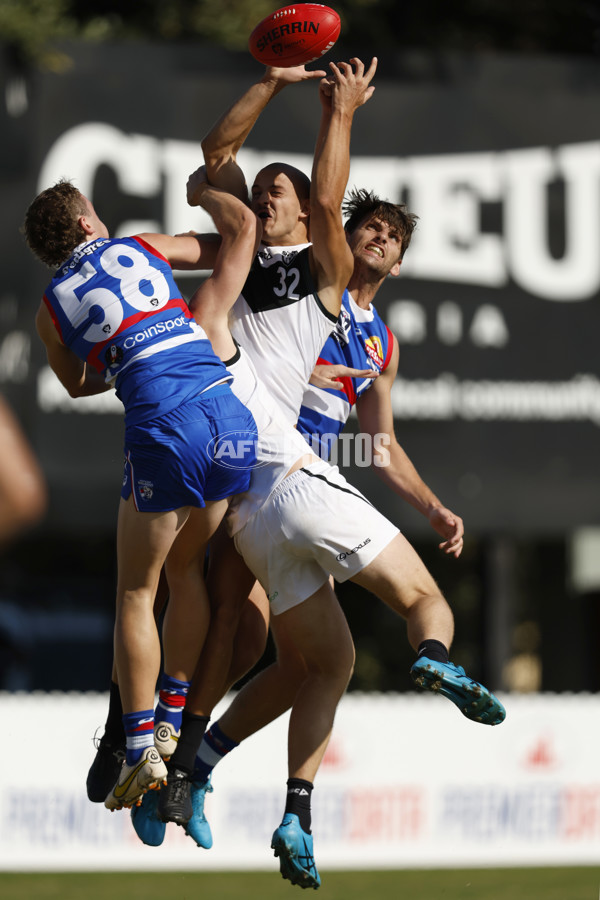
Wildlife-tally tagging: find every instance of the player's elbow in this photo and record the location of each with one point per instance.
(326, 203)
(208, 147)
(215, 155)
(84, 388)
(250, 226)
(344, 264)
(243, 228)
(347, 268)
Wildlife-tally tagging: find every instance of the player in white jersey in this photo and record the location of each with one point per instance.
(305, 286)
(292, 296)
(281, 320)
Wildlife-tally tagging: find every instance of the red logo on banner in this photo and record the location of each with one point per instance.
(541, 755)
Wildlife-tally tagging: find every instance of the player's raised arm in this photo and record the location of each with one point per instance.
(240, 232)
(222, 144)
(394, 467)
(346, 89)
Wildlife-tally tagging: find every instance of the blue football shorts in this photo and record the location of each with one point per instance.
(203, 450)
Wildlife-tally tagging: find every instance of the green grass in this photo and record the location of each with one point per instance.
(582, 883)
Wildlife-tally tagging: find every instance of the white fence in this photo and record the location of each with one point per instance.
(407, 782)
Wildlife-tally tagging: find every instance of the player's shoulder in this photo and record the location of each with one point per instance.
(376, 314)
(382, 325)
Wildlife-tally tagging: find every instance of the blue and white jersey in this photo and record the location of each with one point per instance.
(116, 305)
(361, 340)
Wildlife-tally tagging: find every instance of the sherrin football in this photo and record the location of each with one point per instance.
(295, 35)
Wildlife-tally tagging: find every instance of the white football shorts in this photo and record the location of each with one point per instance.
(313, 525)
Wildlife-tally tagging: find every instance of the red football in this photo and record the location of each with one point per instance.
(295, 35)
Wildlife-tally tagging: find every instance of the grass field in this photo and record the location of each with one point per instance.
(581, 883)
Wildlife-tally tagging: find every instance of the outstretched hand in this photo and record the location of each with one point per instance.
(450, 527)
(292, 74)
(328, 376)
(348, 85)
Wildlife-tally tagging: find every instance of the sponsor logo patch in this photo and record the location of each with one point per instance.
(344, 555)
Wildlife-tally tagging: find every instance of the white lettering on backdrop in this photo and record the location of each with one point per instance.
(446, 190)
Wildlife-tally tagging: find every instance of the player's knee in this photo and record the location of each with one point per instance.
(291, 668)
(226, 614)
(336, 665)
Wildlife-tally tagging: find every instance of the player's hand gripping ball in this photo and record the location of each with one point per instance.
(295, 35)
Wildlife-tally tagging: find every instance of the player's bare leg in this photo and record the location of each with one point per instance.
(223, 660)
(143, 542)
(400, 579)
(110, 747)
(319, 631)
(251, 618)
(186, 621)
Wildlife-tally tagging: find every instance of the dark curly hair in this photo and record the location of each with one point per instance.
(51, 228)
(361, 204)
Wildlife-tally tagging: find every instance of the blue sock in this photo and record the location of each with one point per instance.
(171, 700)
(215, 745)
(139, 733)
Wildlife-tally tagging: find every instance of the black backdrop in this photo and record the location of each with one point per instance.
(496, 311)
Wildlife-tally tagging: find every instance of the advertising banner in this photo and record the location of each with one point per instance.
(407, 782)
